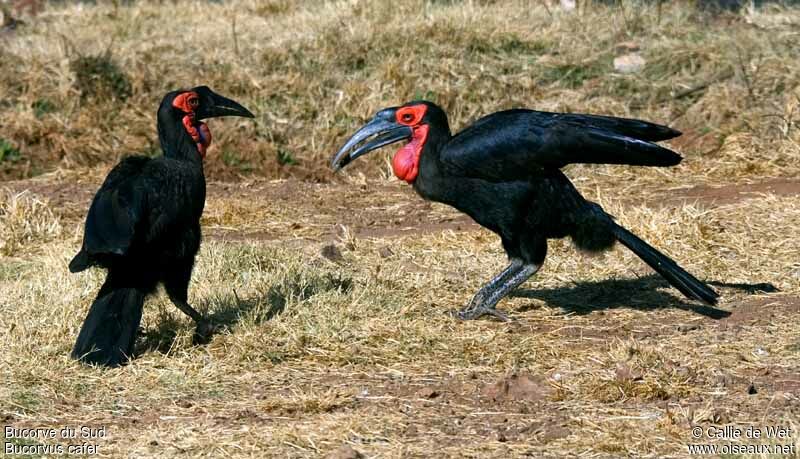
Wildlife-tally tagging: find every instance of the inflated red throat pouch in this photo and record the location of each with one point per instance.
(405, 162)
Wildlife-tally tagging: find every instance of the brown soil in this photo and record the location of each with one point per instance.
(378, 209)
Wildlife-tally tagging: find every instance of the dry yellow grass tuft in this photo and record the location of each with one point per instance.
(25, 220)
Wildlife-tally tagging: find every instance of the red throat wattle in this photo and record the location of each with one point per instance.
(406, 161)
(198, 130)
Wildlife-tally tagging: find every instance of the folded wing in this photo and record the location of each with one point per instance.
(516, 144)
(116, 210)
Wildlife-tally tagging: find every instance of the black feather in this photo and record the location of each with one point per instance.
(108, 334)
(662, 264)
(515, 144)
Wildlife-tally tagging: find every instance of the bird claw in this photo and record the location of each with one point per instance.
(204, 331)
(472, 313)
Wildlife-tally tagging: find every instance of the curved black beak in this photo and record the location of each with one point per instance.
(382, 130)
(213, 105)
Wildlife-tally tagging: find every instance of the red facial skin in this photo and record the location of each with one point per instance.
(188, 102)
(406, 161)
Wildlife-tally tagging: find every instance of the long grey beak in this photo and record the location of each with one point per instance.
(380, 130)
(215, 105)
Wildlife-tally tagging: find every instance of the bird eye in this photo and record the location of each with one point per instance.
(410, 115)
(194, 101)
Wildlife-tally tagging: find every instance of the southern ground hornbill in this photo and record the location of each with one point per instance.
(503, 171)
(143, 226)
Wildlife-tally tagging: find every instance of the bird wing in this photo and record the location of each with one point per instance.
(117, 209)
(514, 144)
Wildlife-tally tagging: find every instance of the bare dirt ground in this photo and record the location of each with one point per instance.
(388, 209)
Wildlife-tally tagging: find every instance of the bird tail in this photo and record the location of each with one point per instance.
(662, 264)
(109, 331)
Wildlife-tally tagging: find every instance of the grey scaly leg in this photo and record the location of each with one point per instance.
(514, 266)
(487, 297)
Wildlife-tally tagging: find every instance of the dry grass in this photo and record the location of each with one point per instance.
(314, 70)
(315, 353)
(24, 221)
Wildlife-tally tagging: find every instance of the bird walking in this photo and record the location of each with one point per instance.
(143, 227)
(504, 172)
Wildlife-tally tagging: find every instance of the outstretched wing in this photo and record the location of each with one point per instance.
(515, 144)
(116, 210)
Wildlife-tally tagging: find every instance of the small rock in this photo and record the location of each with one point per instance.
(683, 328)
(629, 63)
(332, 253)
(344, 452)
(385, 252)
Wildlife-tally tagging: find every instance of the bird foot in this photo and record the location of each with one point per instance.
(204, 332)
(473, 312)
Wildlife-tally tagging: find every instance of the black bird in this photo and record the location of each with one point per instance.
(503, 171)
(144, 227)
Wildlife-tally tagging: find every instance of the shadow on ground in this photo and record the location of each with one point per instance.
(229, 309)
(643, 293)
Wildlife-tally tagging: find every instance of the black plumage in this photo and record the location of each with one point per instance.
(504, 172)
(143, 227)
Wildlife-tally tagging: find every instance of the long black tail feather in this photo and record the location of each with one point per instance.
(109, 331)
(680, 279)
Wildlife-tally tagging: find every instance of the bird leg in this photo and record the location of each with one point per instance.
(515, 265)
(204, 328)
(187, 309)
(486, 299)
(177, 286)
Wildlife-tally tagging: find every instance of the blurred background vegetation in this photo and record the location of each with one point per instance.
(80, 82)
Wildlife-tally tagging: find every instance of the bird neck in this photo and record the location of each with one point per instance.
(428, 182)
(177, 143)
(426, 142)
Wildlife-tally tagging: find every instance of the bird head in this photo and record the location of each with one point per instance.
(181, 113)
(412, 122)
